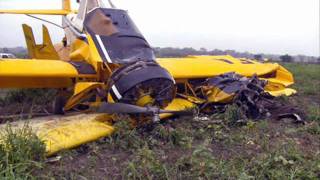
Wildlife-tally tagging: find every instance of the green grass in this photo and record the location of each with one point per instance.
(258, 150)
(307, 82)
(307, 77)
(21, 153)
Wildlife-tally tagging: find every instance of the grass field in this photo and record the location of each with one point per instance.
(206, 148)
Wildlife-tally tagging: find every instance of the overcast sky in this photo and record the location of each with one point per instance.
(257, 26)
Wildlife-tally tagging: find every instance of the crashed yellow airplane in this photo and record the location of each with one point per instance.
(105, 62)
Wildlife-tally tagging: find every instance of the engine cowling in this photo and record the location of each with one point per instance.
(142, 83)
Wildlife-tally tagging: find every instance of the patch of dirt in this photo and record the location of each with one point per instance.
(101, 164)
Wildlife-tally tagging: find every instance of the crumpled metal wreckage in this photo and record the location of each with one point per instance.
(105, 58)
(214, 95)
(251, 98)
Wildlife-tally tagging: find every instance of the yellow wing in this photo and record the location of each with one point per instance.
(33, 73)
(191, 67)
(209, 66)
(65, 132)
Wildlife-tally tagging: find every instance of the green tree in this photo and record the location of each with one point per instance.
(5, 50)
(286, 58)
(258, 57)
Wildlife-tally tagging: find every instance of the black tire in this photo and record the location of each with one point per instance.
(58, 104)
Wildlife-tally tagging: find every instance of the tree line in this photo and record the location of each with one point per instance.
(21, 52)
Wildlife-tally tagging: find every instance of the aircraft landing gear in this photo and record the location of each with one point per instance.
(59, 102)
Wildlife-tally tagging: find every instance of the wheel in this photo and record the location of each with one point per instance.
(58, 104)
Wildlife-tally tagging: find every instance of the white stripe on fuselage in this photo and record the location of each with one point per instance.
(116, 92)
(105, 53)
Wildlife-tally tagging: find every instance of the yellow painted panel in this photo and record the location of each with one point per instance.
(39, 51)
(208, 66)
(81, 91)
(94, 58)
(65, 132)
(66, 5)
(217, 95)
(36, 68)
(283, 92)
(79, 50)
(282, 76)
(178, 104)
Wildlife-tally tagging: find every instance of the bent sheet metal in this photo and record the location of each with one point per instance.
(104, 58)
